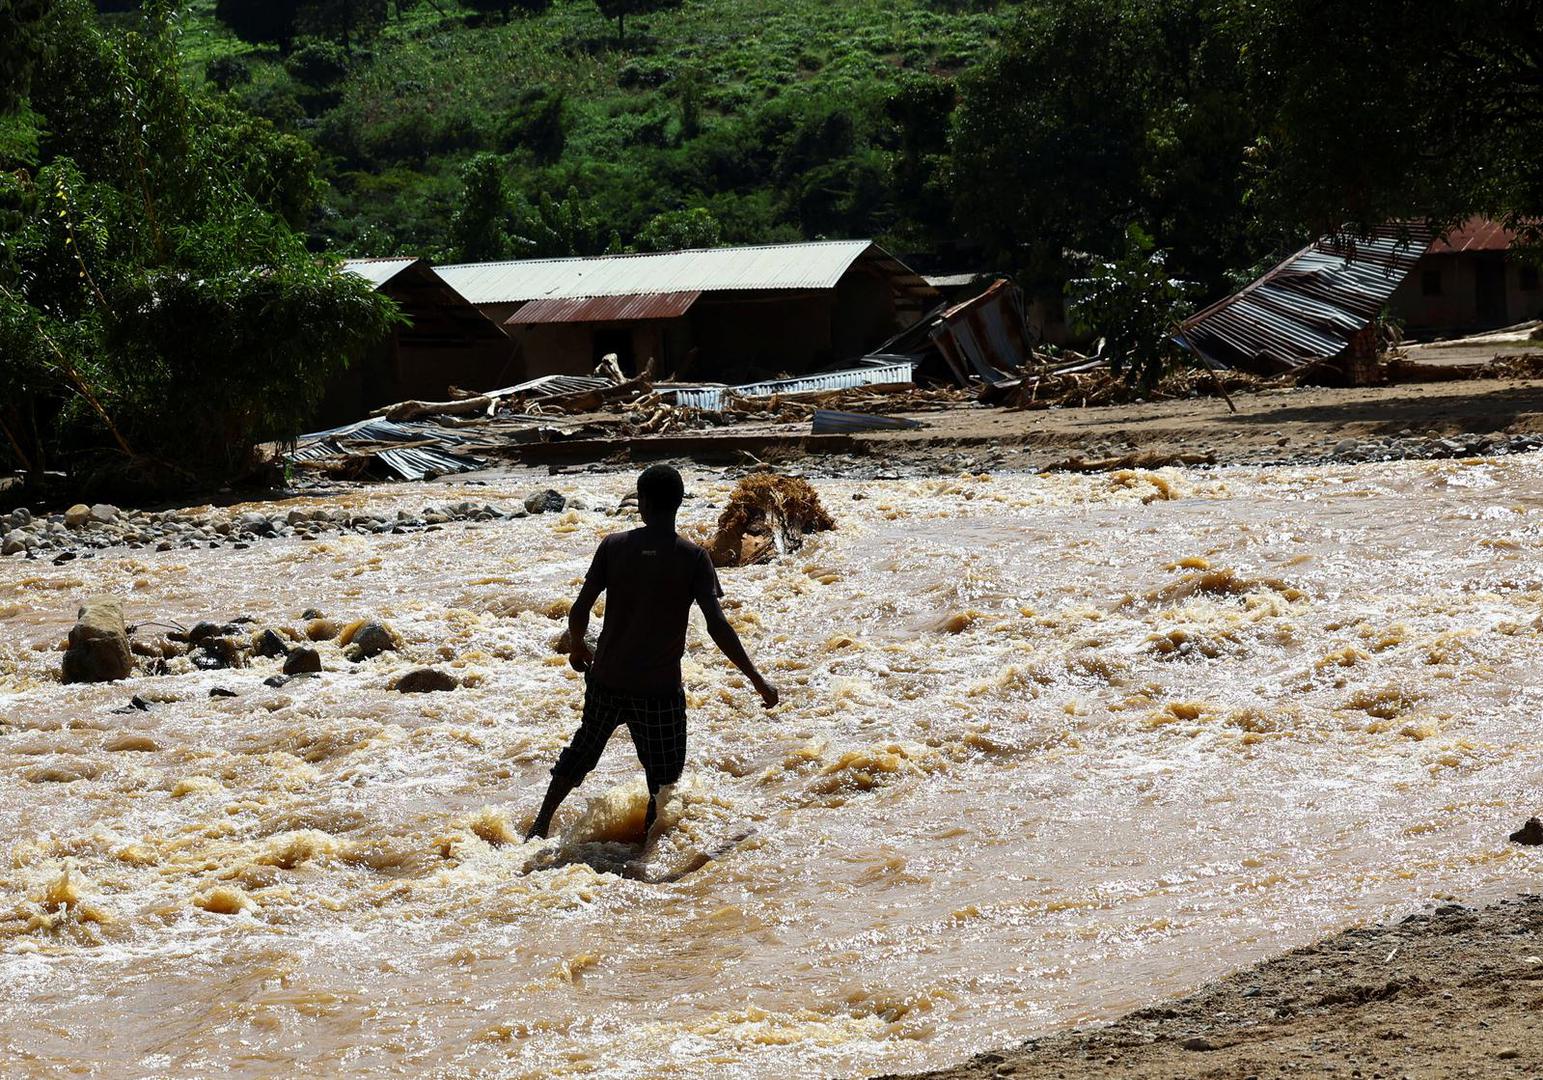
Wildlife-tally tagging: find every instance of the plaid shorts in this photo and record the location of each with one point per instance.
(657, 724)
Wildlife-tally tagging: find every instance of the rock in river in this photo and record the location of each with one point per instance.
(545, 502)
(1530, 834)
(302, 660)
(371, 639)
(99, 644)
(425, 681)
(269, 644)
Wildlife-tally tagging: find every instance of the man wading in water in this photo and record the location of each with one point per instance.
(650, 577)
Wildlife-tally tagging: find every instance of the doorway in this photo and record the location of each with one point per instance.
(1489, 291)
(618, 340)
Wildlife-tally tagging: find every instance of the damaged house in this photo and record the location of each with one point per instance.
(445, 342)
(1469, 280)
(719, 313)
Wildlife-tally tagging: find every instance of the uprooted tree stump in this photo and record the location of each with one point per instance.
(767, 515)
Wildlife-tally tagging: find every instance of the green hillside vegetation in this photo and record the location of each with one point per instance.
(743, 121)
(166, 187)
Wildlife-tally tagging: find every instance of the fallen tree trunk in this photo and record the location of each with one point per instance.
(417, 410)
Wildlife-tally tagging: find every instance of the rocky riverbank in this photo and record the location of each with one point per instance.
(83, 529)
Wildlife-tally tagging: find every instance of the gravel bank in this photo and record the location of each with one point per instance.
(1452, 993)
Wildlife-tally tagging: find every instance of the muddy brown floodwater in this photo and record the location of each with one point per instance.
(1050, 748)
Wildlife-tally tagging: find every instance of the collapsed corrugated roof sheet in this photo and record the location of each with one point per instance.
(711, 398)
(627, 308)
(1309, 307)
(408, 450)
(776, 266)
(985, 337)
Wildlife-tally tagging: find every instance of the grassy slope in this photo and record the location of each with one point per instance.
(427, 70)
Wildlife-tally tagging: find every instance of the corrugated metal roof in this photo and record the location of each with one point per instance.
(1310, 306)
(1475, 234)
(377, 271)
(667, 305)
(710, 398)
(778, 266)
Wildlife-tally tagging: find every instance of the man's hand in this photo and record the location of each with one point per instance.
(768, 692)
(580, 656)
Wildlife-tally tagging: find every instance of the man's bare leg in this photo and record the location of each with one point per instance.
(556, 792)
(655, 800)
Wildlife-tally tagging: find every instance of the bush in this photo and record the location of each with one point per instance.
(537, 123)
(318, 64)
(275, 102)
(227, 71)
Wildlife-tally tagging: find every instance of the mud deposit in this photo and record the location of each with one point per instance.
(1051, 748)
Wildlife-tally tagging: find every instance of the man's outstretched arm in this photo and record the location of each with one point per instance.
(579, 656)
(728, 643)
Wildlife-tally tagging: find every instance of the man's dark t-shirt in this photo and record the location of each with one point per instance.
(651, 580)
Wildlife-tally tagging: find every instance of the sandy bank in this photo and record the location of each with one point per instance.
(1452, 993)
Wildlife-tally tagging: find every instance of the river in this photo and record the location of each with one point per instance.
(1050, 748)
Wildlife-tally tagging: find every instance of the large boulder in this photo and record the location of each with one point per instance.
(99, 643)
(77, 516)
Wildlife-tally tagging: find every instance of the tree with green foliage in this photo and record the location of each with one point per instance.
(506, 7)
(21, 23)
(1095, 115)
(620, 9)
(920, 108)
(262, 22)
(557, 228)
(158, 314)
(479, 226)
(537, 122)
(1136, 305)
(343, 21)
(1386, 110)
(678, 230)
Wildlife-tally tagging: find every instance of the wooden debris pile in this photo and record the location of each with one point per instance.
(767, 515)
(793, 409)
(1101, 386)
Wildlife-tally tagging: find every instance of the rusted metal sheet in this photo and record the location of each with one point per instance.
(1309, 308)
(599, 309)
(1475, 234)
(817, 265)
(711, 398)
